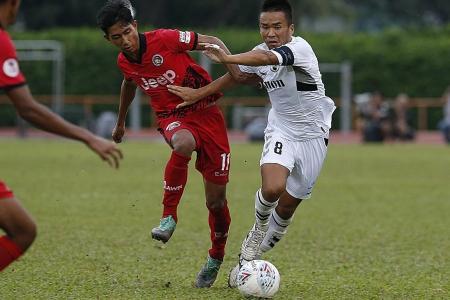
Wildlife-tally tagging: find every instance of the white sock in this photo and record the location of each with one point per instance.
(277, 229)
(263, 210)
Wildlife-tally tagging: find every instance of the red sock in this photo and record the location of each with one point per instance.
(219, 223)
(9, 252)
(175, 178)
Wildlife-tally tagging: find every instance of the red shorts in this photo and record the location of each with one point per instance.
(5, 192)
(208, 128)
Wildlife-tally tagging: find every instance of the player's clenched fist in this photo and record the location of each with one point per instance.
(118, 133)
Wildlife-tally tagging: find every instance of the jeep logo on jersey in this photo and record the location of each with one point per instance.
(275, 84)
(11, 68)
(185, 37)
(157, 60)
(163, 80)
(173, 125)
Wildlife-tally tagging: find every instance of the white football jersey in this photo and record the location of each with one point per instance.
(300, 110)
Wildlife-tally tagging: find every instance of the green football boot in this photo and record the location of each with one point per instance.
(208, 273)
(165, 229)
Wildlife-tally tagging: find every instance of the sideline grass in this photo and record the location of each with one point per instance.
(376, 227)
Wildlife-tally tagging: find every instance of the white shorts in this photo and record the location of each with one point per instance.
(303, 159)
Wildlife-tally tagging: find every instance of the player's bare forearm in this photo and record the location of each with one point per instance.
(242, 77)
(191, 96)
(233, 69)
(253, 58)
(250, 58)
(205, 39)
(127, 94)
(220, 84)
(42, 117)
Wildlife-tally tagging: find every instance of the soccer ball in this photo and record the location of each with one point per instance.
(258, 278)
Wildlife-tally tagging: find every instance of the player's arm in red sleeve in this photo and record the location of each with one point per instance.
(178, 41)
(10, 75)
(45, 119)
(127, 94)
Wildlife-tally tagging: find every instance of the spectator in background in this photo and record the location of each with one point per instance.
(375, 119)
(362, 108)
(401, 119)
(444, 124)
(105, 124)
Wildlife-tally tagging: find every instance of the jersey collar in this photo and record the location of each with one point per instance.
(142, 50)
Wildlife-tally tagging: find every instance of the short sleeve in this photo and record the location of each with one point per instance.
(295, 53)
(285, 55)
(10, 74)
(179, 40)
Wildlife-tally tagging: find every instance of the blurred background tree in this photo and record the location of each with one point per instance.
(393, 46)
(311, 15)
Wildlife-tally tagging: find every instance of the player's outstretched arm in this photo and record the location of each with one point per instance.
(205, 40)
(127, 93)
(250, 58)
(233, 69)
(243, 78)
(191, 96)
(45, 119)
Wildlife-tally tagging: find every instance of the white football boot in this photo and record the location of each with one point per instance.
(250, 250)
(250, 245)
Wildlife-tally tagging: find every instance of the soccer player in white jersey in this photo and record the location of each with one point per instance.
(298, 127)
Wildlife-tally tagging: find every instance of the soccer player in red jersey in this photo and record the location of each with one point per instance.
(14, 220)
(151, 61)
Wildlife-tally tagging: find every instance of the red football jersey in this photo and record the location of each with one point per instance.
(164, 60)
(10, 75)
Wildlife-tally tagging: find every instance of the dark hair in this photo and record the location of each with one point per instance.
(278, 5)
(1, 1)
(115, 11)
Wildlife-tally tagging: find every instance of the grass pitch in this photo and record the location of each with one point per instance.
(377, 226)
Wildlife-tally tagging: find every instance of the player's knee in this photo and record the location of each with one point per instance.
(31, 234)
(183, 142)
(184, 146)
(26, 235)
(271, 193)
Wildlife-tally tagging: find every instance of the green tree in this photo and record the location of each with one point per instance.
(366, 14)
